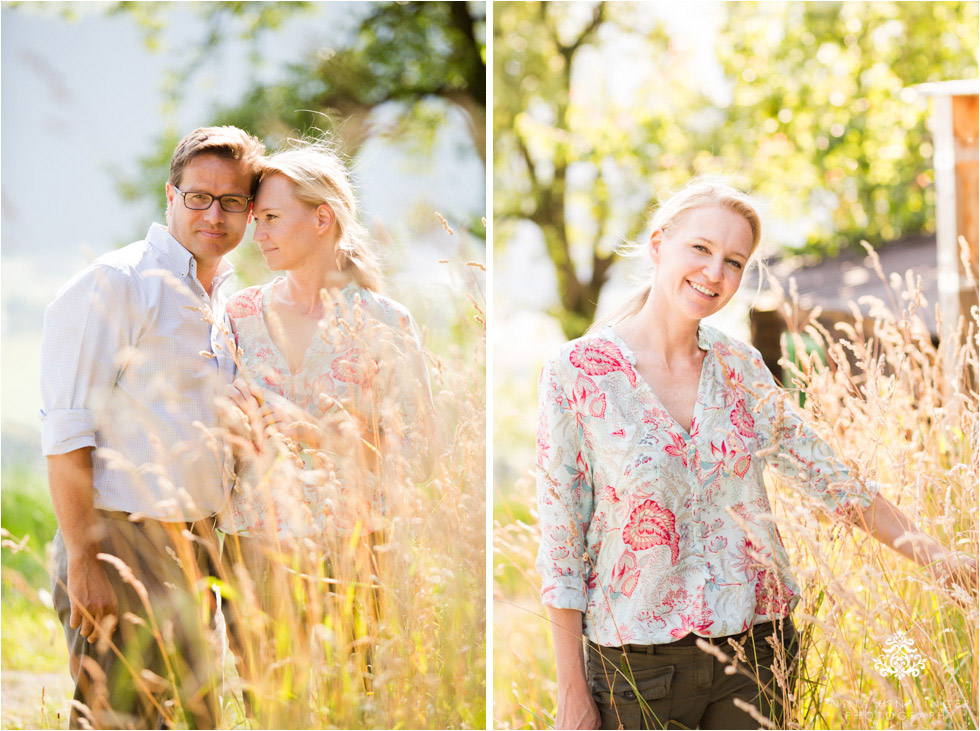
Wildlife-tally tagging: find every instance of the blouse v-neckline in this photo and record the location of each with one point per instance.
(266, 309)
(703, 344)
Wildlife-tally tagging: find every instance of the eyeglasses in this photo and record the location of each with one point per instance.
(203, 201)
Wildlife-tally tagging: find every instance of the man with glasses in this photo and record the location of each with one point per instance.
(133, 354)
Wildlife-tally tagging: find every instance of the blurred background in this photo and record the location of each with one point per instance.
(94, 98)
(600, 110)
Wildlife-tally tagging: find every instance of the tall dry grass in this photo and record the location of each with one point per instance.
(377, 619)
(898, 410)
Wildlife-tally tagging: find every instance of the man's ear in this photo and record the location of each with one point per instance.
(169, 190)
(324, 218)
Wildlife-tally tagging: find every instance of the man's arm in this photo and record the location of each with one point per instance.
(86, 328)
(93, 601)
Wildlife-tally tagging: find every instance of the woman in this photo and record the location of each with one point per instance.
(335, 390)
(653, 432)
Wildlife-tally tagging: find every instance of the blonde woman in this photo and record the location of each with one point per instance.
(653, 432)
(331, 375)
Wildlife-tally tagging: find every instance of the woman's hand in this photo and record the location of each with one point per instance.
(286, 419)
(893, 528)
(958, 569)
(240, 410)
(576, 709)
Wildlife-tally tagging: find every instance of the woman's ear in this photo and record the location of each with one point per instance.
(656, 238)
(324, 218)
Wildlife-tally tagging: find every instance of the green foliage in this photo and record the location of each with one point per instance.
(820, 105)
(423, 60)
(26, 511)
(570, 157)
(812, 117)
(46, 651)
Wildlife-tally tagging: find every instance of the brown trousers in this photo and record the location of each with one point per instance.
(158, 669)
(682, 686)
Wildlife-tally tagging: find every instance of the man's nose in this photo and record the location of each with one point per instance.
(214, 212)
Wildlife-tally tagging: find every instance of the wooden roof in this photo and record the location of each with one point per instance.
(832, 283)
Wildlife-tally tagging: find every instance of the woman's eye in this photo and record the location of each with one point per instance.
(736, 264)
(700, 247)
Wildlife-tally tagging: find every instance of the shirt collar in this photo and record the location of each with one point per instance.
(607, 332)
(178, 259)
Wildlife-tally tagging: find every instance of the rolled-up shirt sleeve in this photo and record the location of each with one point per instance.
(565, 496)
(801, 457)
(86, 333)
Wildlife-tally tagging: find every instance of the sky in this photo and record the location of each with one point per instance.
(82, 100)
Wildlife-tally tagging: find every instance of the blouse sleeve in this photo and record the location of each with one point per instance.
(410, 389)
(801, 457)
(565, 497)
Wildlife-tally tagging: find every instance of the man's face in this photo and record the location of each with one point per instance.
(212, 233)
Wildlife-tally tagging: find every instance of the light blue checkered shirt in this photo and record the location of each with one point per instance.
(131, 365)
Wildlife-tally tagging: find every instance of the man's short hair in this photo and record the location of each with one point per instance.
(227, 142)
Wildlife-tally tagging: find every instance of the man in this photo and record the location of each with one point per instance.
(131, 361)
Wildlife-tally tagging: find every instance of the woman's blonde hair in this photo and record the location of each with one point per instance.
(699, 193)
(320, 176)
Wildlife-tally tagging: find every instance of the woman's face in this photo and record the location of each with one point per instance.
(288, 231)
(700, 260)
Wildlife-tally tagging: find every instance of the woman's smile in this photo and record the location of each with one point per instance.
(702, 290)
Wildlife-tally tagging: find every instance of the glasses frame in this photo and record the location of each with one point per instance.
(219, 198)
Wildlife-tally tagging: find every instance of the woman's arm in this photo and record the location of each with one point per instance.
(576, 709)
(565, 505)
(892, 527)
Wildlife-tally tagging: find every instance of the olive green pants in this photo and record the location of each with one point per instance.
(683, 686)
(158, 669)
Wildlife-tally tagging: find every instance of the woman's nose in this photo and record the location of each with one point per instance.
(714, 270)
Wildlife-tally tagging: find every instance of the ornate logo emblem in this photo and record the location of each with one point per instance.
(901, 658)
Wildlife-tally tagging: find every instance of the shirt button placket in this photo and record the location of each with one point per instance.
(699, 534)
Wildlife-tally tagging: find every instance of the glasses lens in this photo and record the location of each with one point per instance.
(234, 203)
(198, 201)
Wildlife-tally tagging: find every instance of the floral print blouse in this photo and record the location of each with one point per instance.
(654, 532)
(365, 359)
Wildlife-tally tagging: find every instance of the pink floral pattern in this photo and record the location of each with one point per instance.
(742, 420)
(341, 370)
(600, 358)
(650, 525)
(653, 532)
(246, 303)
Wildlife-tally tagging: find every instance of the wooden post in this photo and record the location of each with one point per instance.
(956, 158)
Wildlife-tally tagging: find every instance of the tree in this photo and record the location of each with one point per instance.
(576, 159)
(815, 121)
(822, 117)
(421, 59)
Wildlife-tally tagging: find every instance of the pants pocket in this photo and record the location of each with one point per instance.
(636, 695)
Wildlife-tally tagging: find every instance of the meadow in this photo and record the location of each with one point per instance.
(387, 632)
(897, 409)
